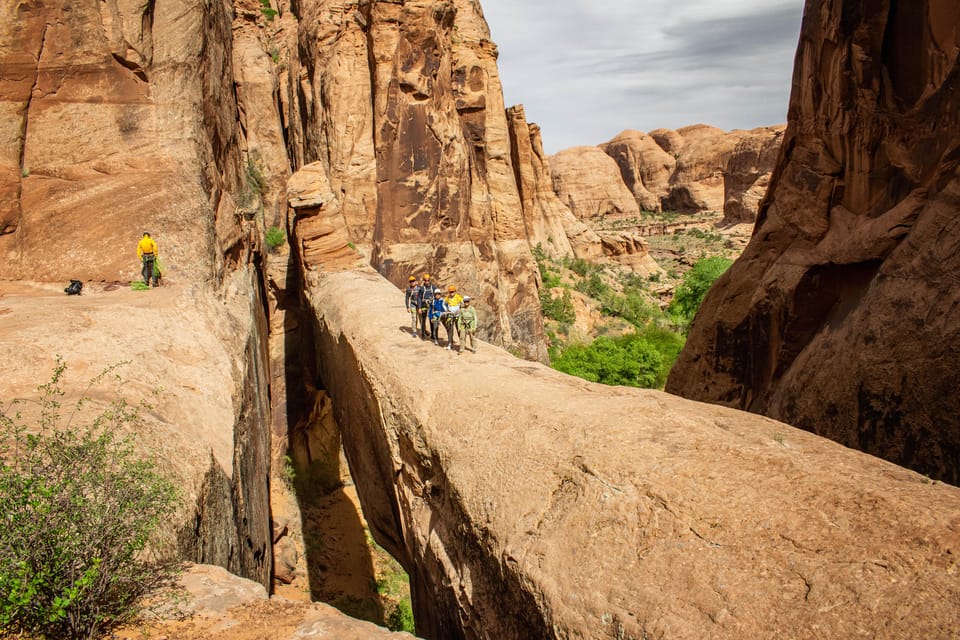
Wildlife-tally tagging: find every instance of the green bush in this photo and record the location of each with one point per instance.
(695, 284)
(79, 510)
(401, 617)
(275, 237)
(640, 359)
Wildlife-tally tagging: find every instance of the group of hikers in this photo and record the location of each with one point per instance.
(429, 308)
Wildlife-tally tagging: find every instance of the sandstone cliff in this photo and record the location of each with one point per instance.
(839, 317)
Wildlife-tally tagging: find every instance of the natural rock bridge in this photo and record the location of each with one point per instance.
(528, 504)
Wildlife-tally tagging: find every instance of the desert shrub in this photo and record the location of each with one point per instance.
(632, 307)
(79, 509)
(401, 617)
(695, 284)
(275, 237)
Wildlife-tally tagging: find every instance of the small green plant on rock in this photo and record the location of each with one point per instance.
(79, 511)
(269, 12)
(275, 237)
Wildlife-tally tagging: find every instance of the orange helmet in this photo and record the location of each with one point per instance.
(426, 276)
(411, 279)
(451, 288)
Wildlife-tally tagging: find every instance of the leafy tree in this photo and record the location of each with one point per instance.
(559, 308)
(78, 511)
(638, 360)
(695, 284)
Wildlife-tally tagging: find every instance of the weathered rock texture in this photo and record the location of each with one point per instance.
(538, 505)
(698, 168)
(840, 315)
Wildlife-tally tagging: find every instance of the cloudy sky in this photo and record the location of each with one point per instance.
(587, 69)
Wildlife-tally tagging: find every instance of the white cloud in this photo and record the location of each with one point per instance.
(587, 69)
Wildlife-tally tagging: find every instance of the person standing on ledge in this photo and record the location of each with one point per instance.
(412, 303)
(467, 325)
(147, 252)
(426, 301)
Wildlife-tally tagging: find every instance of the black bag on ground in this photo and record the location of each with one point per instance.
(74, 288)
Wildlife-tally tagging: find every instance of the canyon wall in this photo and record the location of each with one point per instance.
(840, 315)
(525, 503)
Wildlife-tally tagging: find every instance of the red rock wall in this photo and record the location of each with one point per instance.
(840, 317)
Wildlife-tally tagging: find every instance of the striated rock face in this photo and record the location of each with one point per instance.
(839, 317)
(747, 173)
(544, 506)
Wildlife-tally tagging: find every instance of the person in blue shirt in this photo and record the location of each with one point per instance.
(437, 309)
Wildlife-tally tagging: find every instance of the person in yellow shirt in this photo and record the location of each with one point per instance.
(453, 300)
(147, 252)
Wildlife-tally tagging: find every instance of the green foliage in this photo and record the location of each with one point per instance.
(139, 285)
(268, 11)
(275, 237)
(632, 307)
(393, 585)
(548, 276)
(640, 359)
(579, 266)
(559, 308)
(78, 511)
(256, 182)
(695, 284)
(593, 286)
(401, 617)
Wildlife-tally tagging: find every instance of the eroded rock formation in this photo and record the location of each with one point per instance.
(544, 506)
(839, 317)
(698, 168)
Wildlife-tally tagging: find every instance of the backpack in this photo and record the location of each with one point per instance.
(74, 288)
